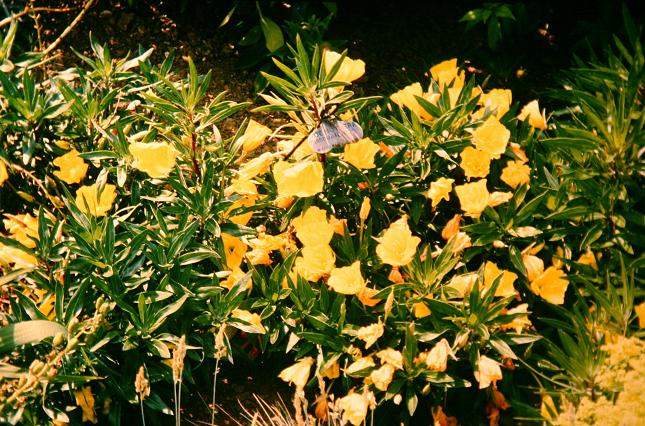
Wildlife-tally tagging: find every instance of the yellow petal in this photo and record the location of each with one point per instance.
(89, 201)
(234, 250)
(640, 313)
(302, 179)
(505, 287)
(157, 159)
(488, 371)
(313, 228)
(298, 373)
(347, 280)
(491, 137)
(532, 111)
(370, 333)
(85, 400)
(551, 285)
(3, 172)
(516, 173)
(397, 246)
(315, 262)
(250, 317)
(350, 69)
(474, 162)
(473, 197)
(354, 406)
(72, 167)
(440, 190)
(254, 136)
(361, 154)
(446, 72)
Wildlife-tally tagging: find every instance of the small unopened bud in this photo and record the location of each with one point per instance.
(71, 327)
(452, 227)
(461, 340)
(365, 209)
(58, 339)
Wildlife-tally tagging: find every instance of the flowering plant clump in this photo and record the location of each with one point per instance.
(443, 263)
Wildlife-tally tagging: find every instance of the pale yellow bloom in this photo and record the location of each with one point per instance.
(157, 159)
(359, 365)
(640, 313)
(22, 228)
(588, 258)
(361, 154)
(498, 198)
(547, 408)
(532, 111)
(497, 100)
(397, 246)
(347, 280)
(370, 333)
(10, 255)
(252, 318)
(488, 371)
(298, 373)
(382, 376)
(474, 162)
(452, 227)
(236, 275)
(519, 323)
(313, 228)
(354, 406)
(551, 285)
(420, 310)
(440, 190)
(491, 137)
(89, 201)
(254, 136)
(505, 287)
(302, 179)
(463, 283)
(4, 176)
(315, 262)
(406, 97)
(350, 69)
(460, 241)
(85, 400)
(437, 358)
(256, 167)
(446, 72)
(516, 173)
(234, 250)
(72, 167)
(534, 266)
(473, 197)
(392, 357)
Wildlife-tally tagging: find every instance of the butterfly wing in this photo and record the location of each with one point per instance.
(332, 133)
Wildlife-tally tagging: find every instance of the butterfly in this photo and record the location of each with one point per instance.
(333, 132)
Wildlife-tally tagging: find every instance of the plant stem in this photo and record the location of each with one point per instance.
(214, 390)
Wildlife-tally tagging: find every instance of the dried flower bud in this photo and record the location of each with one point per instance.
(141, 384)
(178, 359)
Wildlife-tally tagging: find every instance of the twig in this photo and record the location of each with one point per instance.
(27, 10)
(70, 27)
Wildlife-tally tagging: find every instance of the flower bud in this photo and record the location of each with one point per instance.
(365, 209)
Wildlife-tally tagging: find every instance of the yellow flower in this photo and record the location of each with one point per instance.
(85, 400)
(382, 377)
(551, 285)
(254, 136)
(315, 262)
(440, 190)
(437, 358)
(3, 173)
(488, 371)
(354, 406)
(406, 97)
(491, 137)
(252, 318)
(505, 287)
(463, 283)
(366, 205)
(302, 179)
(588, 258)
(498, 198)
(420, 310)
(452, 227)
(350, 69)
(313, 228)
(520, 322)
(359, 365)
(332, 371)
(157, 159)
(22, 228)
(397, 246)
(532, 111)
(547, 408)
(498, 100)
(89, 201)
(298, 373)
(361, 154)
(392, 357)
(474, 162)
(640, 313)
(347, 280)
(256, 167)
(473, 197)
(534, 266)
(516, 173)
(248, 195)
(460, 241)
(234, 250)
(72, 167)
(370, 333)
(10, 255)
(447, 71)
(236, 275)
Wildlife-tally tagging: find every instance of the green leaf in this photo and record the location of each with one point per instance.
(272, 34)
(26, 332)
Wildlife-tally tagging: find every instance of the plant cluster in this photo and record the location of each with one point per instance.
(467, 258)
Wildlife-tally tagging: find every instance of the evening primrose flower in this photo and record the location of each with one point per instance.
(420, 310)
(382, 376)
(254, 136)
(91, 202)
(361, 154)
(3, 173)
(234, 250)
(516, 173)
(505, 287)
(313, 228)
(588, 258)
(532, 112)
(534, 266)
(370, 333)
(256, 167)
(474, 162)
(488, 371)
(473, 197)
(347, 280)
(157, 159)
(298, 373)
(498, 198)
(10, 255)
(551, 285)
(446, 72)
(315, 262)
(354, 406)
(463, 283)
(359, 365)
(252, 318)
(406, 97)
(437, 358)
(302, 179)
(640, 313)
(350, 69)
(72, 167)
(497, 100)
(236, 275)
(392, 357)
(440, 190)
(491, 137)
(85, 400)
(22, 228)
(521, 322)
(397, 246)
